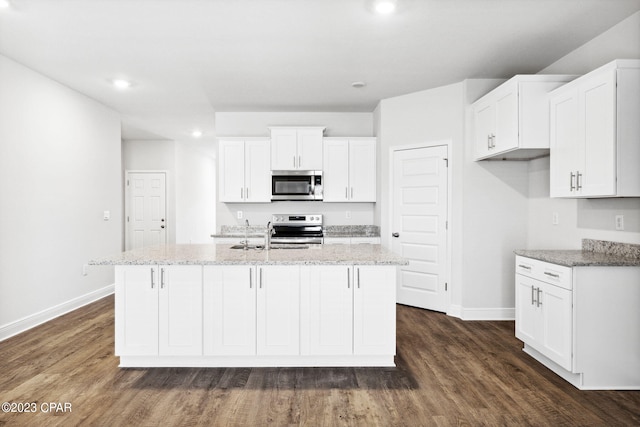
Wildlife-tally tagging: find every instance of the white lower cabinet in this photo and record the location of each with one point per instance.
(544, 314)
(158, 310)
(327, 310)
(230, 310)
(374, 310)
(278, 310)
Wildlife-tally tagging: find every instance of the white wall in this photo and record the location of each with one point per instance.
(592, 218)
(256, 124)
(60, 169)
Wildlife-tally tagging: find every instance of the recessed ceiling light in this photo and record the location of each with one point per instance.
(358, 85)
(385, 7)
(196, 133)
(120, 83)
(4, 4)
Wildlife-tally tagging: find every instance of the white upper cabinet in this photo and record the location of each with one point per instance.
(244, 176)
(512, 121)
(349, 170)
(595, 133)
(296, 148)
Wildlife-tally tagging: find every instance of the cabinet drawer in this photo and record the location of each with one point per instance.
(558, 275)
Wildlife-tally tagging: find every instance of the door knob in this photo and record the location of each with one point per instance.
(396, 234)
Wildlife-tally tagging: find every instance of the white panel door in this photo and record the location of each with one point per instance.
(528, 327)
(146, 209)
(310, 149)
(257, 171)
(136, 309)
(362, 170)
(484, 127)
(506, 120)
(557, 325)
(284, 149)
(336, 170)
(564, 144)
(597, 96)
(180, 317)
(278, 310)
(230, 310)
(231, 174)
(327, 301)
(374, 310)
(419, 225)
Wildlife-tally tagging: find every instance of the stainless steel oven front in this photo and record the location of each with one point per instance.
(296, 185)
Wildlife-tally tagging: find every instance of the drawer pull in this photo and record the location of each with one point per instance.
(526, 267)
(557, 276)
(533, 298)
(538, 303)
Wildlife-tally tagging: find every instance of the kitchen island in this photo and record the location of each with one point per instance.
(214, 306)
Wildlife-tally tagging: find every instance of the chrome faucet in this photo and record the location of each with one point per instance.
(267, 236)
(246, 230)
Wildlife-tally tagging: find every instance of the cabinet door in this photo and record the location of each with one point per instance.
(556, 314)
(527, 317)
(374, 310)
(506, 120)
(310, 149)
(597, 100)
(564, 143)
(284, 154)
(336, 170)
(180, 319)
(231, 174)
(327, 310)
(484, 127)
(257, 172)
(278, 310)
(136, 310)
(362, 170)
(230, 310)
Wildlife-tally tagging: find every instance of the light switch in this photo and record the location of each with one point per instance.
(107, 215)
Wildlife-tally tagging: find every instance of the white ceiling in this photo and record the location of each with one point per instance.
(191, 58)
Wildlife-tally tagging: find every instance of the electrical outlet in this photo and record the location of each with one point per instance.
(347, 214)
(555, 219)
(239, 214)
(619, 222)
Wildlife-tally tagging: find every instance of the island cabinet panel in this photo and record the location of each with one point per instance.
(230, 310)
(158, 310)
(278, 310)
(374, 310)
(326, 310)
(136, 310)
(180, 320)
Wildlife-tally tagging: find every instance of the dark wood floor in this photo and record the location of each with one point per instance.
(449, 372)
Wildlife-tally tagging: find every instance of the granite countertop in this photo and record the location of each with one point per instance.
(224, 255)
(594, 253)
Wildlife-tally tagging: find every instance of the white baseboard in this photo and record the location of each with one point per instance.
(482, 313)
(33, 320)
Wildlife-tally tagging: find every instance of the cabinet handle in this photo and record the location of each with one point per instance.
(538, 303)
(571, 184)
(241, 192)
(348, 278)
(162, 278)
(260, 278)
(533, 299)
(352, 192)
(358, 278)
(152, 283)
(299, 161)
(557, 276)
(246, 192)
(493, 141)
(250, 279)
(488, 141)
(526, 267)
(578, 180)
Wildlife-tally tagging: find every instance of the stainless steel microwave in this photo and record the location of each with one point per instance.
(296, 185)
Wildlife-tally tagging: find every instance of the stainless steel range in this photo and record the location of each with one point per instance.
(297, 228)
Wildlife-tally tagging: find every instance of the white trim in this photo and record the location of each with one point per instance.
(447, 143)
(33, 320)
(499, 313)
(254, 361)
